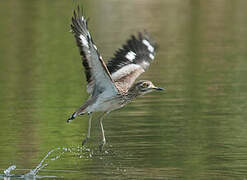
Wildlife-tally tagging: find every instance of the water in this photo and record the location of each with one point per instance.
(195, 130)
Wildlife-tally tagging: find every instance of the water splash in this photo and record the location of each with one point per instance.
(8, 170)
(7, 173)
(43, 163)
(78, 151)
(32, 174)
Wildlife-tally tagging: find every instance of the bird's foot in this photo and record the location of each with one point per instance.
(102, 145)
(84, 141)
(72, 117)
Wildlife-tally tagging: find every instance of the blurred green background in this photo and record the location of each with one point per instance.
(197, 129)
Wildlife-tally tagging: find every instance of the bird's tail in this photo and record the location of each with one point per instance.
(72, 117)
(82, 110)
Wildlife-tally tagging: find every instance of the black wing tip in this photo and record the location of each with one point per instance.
(136, 41)
(138, 38)
(78, 19)
(78, 11)
(146, 35)
(143, 47)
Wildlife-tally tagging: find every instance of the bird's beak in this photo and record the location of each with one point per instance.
(159, 89)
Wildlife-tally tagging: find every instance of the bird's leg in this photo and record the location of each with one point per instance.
(102, 131)
(89, 128)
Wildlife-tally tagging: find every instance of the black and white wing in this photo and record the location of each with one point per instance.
(97, 74)
(131, 60)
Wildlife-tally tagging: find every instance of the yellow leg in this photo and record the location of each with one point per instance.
(89, 129)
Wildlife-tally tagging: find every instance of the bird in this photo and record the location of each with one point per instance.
(112, 85)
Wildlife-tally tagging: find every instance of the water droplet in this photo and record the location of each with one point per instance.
(9, 169)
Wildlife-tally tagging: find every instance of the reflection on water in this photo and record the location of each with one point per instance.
(196, 130)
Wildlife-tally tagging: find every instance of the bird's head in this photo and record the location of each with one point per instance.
(145, 86)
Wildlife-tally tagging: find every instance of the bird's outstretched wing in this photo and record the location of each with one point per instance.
(131, 60)
(97, 74)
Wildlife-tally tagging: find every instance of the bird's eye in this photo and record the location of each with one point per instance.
(145, 85)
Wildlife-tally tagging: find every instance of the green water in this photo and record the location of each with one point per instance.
(197, 129)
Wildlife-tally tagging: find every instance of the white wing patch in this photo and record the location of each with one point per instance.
(95, 46)
(84, 40)
(149, 46)
(151, 56)
(145, 64)
(130, 56)
(125, 70)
